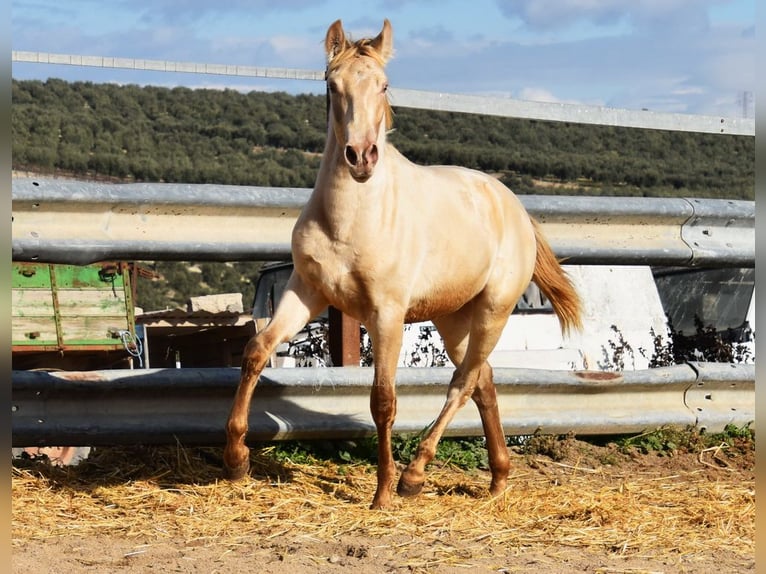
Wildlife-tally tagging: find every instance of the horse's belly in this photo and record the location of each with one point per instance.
(443, 299)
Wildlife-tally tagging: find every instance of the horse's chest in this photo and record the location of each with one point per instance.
(331, 268)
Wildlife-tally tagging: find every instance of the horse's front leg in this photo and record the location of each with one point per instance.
(386, 336)
(298, 305)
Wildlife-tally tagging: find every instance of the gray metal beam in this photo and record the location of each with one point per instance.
(166, 66)
(571, 113)
(463, 103)
(191, 405)
(65, 221)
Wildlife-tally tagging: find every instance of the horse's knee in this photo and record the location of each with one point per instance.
(257, 350)
(383, 408)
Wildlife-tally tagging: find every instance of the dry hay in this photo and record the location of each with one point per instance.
(151, 494)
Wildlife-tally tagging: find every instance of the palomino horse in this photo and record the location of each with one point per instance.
(389, 242)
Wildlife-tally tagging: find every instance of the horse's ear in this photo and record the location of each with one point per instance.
(384, 42)
(335, 41)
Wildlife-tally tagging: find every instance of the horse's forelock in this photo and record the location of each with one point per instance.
(356, 49)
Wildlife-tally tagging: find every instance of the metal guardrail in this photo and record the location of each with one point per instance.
(191, 405)
(65, 221)
(165, 66)
(571, 113)
(506, 107)
(73, 222)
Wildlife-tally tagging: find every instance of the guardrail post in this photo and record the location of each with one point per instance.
(343, 339)
(722, 394)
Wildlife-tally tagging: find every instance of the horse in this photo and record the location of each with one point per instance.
(389, 242)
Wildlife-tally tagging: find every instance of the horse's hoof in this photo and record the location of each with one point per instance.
(408, 489)
(380, 505)
(496, 489)
(237, 472)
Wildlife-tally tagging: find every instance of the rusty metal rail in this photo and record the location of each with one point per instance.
(62, 221)
(158, 406)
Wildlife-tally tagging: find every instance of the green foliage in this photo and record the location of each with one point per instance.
(661, 441)
(732, 433)
(160, 134)
(275, 139)
(465, 453)
(154, 134)
(469, 453)
(533, 156)
(666, 441)
(176, 281)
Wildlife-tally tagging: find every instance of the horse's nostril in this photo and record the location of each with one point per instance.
(372, 154)
(351, 156)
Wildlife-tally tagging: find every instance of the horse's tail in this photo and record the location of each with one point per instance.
(555, 284)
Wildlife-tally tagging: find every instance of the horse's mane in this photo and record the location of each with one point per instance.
(357, 49)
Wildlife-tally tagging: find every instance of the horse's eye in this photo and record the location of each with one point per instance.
(385, 87)
(333, 87)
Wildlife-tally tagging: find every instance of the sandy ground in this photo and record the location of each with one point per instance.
(315, 520)
(105, 555)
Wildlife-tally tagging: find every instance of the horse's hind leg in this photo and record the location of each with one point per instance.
(485, 397)
(455, 330)
(471, 379)
(298, 305)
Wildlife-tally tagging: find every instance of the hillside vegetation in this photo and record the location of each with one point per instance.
(133, 133)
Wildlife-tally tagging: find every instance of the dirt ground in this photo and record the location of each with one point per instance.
(574, 507)
(104, 555)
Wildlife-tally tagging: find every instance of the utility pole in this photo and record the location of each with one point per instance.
(745, 100)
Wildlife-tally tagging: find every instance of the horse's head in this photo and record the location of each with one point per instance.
(358, 107)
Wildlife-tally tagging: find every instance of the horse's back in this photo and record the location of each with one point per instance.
(474, 233)
(468, 208)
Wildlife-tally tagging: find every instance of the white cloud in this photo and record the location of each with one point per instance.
(658, 54)
(545, 14)
(184, 11)
(663, 67)
(537, 94)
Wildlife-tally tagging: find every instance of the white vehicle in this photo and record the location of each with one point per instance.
(628, 312)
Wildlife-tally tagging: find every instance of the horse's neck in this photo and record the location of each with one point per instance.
(347, 205)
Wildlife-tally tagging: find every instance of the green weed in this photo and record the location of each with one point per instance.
(465, 453)
(666, 441)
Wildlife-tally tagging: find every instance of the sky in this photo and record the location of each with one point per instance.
(685, 56)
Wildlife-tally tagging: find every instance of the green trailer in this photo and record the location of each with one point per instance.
(72, 317)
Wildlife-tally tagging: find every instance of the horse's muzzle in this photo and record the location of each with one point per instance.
(361, 162)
